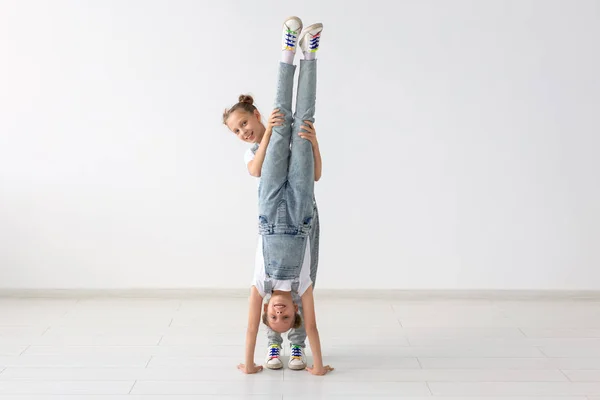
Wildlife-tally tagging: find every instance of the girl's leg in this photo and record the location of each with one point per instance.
(284, 233)
(274, 337)
(275, 166)
(274, 350)
(274, 171)
(298, 336)
(301, 175)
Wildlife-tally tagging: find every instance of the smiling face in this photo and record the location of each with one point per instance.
(281, 311)
(246, 126)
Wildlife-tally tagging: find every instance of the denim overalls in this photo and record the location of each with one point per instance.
(287, 208)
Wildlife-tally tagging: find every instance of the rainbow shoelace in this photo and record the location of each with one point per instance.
(296, 352)
(313, 45)
(274, 351)
(290, 39)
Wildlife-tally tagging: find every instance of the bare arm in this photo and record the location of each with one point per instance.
(254, 310)
(318, 162)
(255, 165)
(310, 322)
(309, 133)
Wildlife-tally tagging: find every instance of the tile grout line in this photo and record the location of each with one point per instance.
(46, 331)
(2, 370)
(132, 386)
(77, 301)
(523, 333)
(396, 316)
(566, 376)
(148, 363)
(24, 350)
(539, 348)
(429, 388)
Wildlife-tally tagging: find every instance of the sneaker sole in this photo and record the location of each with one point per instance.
(273, 366)
(294, 19)
(297, 368)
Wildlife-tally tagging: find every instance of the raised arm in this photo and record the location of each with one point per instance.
(310, 133)
(255, 166)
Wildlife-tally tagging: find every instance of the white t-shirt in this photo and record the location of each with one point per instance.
(248, 156)
(259, 264)
(285, 286)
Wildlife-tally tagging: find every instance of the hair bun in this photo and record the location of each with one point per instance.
(244, 98)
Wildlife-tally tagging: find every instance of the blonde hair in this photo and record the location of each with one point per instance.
(245, 102)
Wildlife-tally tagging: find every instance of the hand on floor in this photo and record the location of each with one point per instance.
(319, 371)
(250, 370)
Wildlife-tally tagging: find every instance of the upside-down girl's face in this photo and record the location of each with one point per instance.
(246, 126)
(281, 312)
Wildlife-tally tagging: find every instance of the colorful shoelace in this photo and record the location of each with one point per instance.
(274, 351)
(296, 351)
(314, 43)
(290, 39)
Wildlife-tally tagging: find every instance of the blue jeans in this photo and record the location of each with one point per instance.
(286, 190)
(288, 213)
(297, 336)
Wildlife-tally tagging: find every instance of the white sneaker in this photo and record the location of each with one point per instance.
(273, 361)
(297, 359)
(310, 38)
(291, 30)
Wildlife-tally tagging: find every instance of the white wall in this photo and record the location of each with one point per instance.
(459, 141)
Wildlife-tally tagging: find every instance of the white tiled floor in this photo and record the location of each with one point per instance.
(116, 349)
